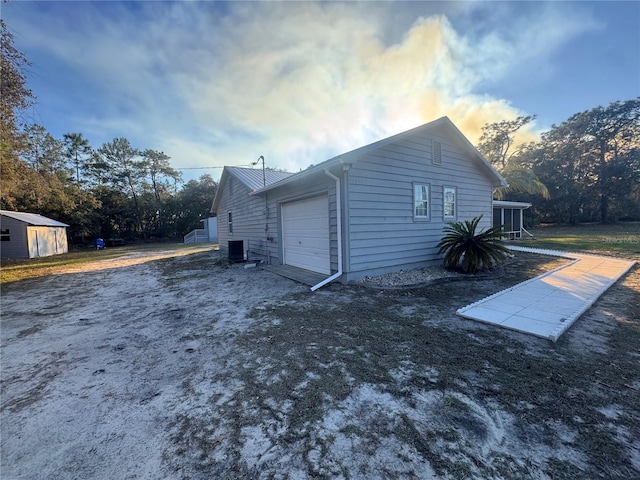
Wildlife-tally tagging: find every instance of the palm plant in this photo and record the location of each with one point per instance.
(469, 251)
(521, 180)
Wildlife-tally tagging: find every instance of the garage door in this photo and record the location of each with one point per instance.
(305, 234)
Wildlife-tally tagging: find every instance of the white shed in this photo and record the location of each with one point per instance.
(29, 235)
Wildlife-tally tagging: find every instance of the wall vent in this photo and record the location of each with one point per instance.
(436, 153)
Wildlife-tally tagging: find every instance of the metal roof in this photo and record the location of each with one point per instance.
(252, 177)
(33, 219)
(508, 204)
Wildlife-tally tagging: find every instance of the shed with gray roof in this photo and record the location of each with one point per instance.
(29, 235)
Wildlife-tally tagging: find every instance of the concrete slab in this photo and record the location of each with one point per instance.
(301, 275)
(546, 306)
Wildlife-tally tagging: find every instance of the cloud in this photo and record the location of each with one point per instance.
(319, 78)
(297, 82)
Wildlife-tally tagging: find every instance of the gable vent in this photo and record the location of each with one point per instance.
(436, 153)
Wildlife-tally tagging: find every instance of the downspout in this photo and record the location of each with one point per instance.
(339, 233)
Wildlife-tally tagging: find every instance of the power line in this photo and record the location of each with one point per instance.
(206, 168)
(195, 168)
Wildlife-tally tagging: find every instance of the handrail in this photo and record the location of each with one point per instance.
(527, 232)
(194, 235)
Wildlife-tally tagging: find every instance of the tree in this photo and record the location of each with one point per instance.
(193, 203)
(15, 98)
(77, 151)
(592, 162)
(469, 251)
(496, 144)
(521, 179)
(498, 139)
(124, 171)
(42, 152)
(612, 133)
(160, 172)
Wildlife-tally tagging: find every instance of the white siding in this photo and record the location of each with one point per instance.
(46, 241)
(312, 187)
(383, 234)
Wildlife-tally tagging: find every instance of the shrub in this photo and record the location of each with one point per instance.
(471, 252)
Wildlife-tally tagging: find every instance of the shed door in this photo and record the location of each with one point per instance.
(33, 242)
(305, 234)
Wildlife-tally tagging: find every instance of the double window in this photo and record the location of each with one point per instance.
(421, 202)
(4, 235)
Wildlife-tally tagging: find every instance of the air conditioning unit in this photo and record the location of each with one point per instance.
(236, 251)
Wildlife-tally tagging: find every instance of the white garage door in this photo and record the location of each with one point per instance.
(305, 234)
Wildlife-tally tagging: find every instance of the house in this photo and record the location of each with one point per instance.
(377, 209)
(29, 235)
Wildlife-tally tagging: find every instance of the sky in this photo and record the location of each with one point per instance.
(223, 83)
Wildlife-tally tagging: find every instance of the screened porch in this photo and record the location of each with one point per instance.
(509, 215)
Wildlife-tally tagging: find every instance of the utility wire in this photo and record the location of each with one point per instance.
(206, 168)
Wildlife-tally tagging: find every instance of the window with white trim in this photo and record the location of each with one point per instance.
(449, 202)
(421, 201)
(5, 235)
(230, 222)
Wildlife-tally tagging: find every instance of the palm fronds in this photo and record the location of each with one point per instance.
(469, 251)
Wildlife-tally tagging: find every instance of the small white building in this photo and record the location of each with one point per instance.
(207, 234)
(29, 235)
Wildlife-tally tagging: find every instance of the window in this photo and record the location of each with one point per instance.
(421, 201)
(4, 235)
(230, 222)
(449, 202)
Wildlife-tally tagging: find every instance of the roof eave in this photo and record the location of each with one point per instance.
(300, 175)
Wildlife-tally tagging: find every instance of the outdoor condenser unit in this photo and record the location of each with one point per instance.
(236, 250)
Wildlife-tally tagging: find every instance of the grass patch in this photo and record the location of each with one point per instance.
(618, 239)
(15, 270)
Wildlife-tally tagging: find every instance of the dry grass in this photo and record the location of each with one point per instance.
(16, 270)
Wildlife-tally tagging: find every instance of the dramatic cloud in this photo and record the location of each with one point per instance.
(297, 82)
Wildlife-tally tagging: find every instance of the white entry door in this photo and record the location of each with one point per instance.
(305, 234)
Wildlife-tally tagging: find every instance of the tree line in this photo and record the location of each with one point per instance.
(587, 169)
(115, 190)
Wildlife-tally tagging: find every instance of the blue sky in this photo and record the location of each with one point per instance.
(215, 83)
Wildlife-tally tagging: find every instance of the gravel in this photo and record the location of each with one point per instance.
(405, 278)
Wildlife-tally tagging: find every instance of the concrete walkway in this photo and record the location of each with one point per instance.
(546, 306)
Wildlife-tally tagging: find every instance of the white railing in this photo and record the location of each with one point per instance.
(196, 236)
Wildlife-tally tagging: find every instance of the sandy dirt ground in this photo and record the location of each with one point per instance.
(177, 366)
